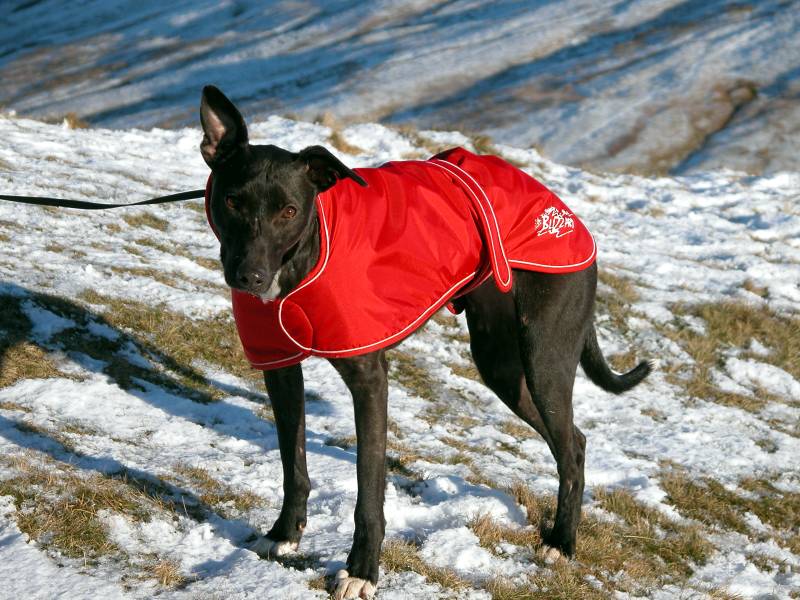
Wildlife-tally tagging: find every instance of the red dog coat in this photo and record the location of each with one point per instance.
(393, 253)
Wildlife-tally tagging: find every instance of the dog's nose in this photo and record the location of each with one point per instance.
(250, 279)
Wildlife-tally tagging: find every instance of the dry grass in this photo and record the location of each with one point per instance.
(519, 430)
(668, 550)
(704, 500)
(170, 341)
(641, 551)
(758, 290)
(59, 249)
(654, 414)
(405, 370)
(623, 362)
(339, 142)
(175, 340)
(710, 503)
(20, 358)
(148, 273)
(483, 144)
(211, 264)
(168, 573)
(145, 219)
(734, 325)
(415, 137)
(468, 371)
(216, 494)
(451, 330)
(400, 555)
(617, 303)
(336, 137)
(400, 457)
(60, 508)
(343, 442)
(492, 533)
(70, 119)
(6, 405)
(265, 412)
(561, 582)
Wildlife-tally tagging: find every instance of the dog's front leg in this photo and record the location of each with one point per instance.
(366, 377)
(285, 389)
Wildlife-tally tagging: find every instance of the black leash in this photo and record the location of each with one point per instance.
(82, 204)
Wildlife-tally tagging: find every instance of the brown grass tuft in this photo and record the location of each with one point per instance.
(7, 405)
(399, 555)
(339, 142)
(168, 573)
(60, 508)
(734, 325)
(216, 494)
(20, 358)
(211, 264)
(146, 219)
(519, 430)
(617, 303)
(178, 341)
(343, 442)
(704, 500)
(491, 533)
(403, 369)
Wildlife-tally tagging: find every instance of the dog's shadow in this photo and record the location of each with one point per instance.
(36, 329)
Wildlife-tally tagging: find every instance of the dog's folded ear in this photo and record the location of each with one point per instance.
(224, 131)
(324, 169)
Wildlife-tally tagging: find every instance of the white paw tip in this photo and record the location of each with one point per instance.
(267, 548)
(352, 588)
(552, 555)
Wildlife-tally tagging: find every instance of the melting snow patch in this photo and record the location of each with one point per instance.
(768, 377)
(459, 549)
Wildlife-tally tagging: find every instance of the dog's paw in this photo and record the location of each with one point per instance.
(267, 548)
(552, 555)
(352, 588)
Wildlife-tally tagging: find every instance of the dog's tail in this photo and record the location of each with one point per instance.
(597, 369)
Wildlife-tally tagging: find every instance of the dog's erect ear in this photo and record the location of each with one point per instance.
(324, 169)
(225, 133)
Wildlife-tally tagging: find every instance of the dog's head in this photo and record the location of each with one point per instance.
(262, 198)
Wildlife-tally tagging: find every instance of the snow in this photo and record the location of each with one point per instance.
(623, 84)
(27, 572)
(688, 239)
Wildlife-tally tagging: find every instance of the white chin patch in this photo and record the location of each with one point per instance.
(267, 548)
(352, 588)
(274, 289)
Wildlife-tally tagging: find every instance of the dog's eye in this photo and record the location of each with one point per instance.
(232, 202)
(289, 212)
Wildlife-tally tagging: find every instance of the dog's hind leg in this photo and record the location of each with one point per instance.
(491, 317)
(285, 389)
(553, 317)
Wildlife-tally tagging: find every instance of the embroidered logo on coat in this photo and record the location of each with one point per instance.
(555, 222)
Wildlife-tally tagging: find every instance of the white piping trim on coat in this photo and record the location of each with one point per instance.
(275, 362)
(437, 162)
(492, 254)
(313, 350)
(324, 224)
(583, 262)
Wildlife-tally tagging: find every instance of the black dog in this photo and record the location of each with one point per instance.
(526, 343)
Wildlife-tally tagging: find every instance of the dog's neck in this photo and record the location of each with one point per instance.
(303, 256)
